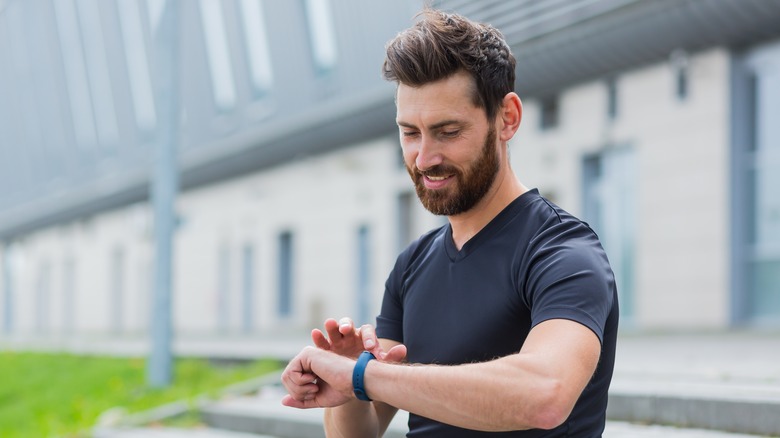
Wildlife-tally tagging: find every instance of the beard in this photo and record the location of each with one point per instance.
(470, 186)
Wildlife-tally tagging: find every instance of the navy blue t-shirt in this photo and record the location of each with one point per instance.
(533, 262)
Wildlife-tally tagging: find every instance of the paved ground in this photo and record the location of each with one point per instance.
(724, 364)
(614, 430)
(747, 357)
(717, 356)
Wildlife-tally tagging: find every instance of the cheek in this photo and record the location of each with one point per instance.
(408, 154)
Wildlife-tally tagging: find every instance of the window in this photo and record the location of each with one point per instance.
(75, 73)
(137, 65)
(68, 294)
(218, 54)
(682, 83)
(155, 9)
(8, 291)
(285, 281)
(223, 287)
(248, 275)
(612, 99)
(763, 181)
(405, 219)
(322, 35)
(117, 287)
(256, 42)
(679, 63)
(609, 206)
(24, 96)
(97, 69)
(548, 118)
(43, 298)
(755, 208)
(363, 278)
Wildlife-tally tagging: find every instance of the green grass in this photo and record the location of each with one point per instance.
(61, 395)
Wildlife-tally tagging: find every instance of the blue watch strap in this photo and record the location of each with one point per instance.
(357, 375)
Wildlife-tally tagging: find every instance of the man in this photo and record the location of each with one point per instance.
(507, 316)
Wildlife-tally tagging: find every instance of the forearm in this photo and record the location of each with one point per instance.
(510, 393)
(536, 388)
(353, 419)
(358, 419)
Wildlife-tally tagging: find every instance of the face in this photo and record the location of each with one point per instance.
(469, 187)
(449, 148)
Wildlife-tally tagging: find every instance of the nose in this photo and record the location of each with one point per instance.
(428, 154)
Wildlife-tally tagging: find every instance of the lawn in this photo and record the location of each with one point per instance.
(48, 395)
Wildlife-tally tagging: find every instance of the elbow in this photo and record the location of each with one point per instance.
(552, 407)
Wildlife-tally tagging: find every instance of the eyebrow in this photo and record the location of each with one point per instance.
(435, 126)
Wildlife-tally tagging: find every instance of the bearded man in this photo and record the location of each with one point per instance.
(502, 322)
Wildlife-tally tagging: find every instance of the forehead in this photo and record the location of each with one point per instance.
(451, 97)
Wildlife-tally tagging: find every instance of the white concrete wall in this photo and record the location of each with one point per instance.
(682, 200)
(3, 260)
(322, 200)
(88, 246)
(682, 149)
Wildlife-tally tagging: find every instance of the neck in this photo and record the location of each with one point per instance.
(506, 188)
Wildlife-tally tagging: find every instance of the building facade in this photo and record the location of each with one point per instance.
(655, 121)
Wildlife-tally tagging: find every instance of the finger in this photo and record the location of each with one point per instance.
(346, 326)
(370, 342)
(320, 340)
(395, 354)
(307, 378)
(293, 379)
(301, 392)
(288, 400)
(332, 328)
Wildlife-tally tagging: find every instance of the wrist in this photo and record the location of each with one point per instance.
(358, 375)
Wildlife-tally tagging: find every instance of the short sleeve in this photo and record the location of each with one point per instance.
(569, 277)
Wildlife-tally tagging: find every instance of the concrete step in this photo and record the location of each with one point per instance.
(169, 432)
(265, 414)
(696, 416)
(734, 406)
(614, 429)
(620, 429)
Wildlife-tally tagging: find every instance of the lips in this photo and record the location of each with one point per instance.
(436, 182)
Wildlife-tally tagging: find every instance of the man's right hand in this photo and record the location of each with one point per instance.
(346, 340)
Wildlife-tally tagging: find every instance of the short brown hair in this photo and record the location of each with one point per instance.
(441, 44)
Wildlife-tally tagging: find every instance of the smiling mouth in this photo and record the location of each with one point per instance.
(437, 182)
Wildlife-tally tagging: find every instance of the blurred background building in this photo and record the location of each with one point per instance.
(657, 121)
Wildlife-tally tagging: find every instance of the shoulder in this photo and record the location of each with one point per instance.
(537, 222)
(552, 224)
(561, 247)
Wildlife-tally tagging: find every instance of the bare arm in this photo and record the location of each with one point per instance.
(536, 388)
(360, 419)
(357, 418)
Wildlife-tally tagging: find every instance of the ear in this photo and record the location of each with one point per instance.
(509, 116)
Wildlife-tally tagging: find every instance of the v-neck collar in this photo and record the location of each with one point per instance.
(489, 230)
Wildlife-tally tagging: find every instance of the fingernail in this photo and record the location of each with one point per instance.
(370, 343)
